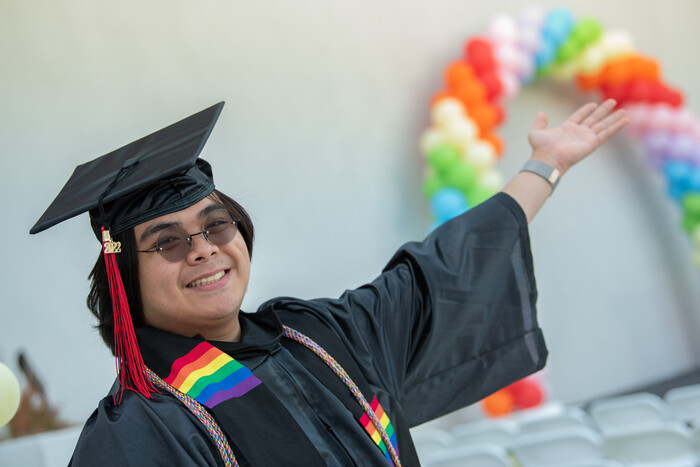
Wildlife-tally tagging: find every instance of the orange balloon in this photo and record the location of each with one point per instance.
(499, 403)
(484, 115)
(458, 72)
(587, 82)
(470, 92)
(646, 68)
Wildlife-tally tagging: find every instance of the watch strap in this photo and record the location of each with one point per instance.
(545, 171)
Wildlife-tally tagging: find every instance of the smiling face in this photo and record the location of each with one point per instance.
(200, 294)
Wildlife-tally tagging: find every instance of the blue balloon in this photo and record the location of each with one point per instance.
(545, 54)
(447, 203)
(694, 180)
(558, 25)
(678, 174)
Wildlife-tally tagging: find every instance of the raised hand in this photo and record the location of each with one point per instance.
(581, 134)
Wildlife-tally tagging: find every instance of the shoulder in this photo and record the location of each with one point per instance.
(140, 431)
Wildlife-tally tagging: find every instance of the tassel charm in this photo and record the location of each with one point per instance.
(110, 247)
(131, 370)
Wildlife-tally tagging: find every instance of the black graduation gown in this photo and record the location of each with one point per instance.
(450, 320)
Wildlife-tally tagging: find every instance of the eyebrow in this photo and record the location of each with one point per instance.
(159, 227)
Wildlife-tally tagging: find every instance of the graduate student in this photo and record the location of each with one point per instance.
(334, 382)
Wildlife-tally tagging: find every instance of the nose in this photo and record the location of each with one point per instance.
(200, 248)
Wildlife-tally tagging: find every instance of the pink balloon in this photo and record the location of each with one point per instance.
(683, 120)
(507, 56)
(661, 117)
(639, 119)
(509, 83)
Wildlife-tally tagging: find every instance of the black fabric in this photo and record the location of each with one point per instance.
(450, 320)
(164, 162)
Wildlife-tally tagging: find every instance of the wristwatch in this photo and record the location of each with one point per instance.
(545, 171)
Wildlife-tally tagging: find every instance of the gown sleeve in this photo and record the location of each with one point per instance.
(451, 319)
(140, 432)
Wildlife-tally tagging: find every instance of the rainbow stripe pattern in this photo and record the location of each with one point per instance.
(386, 423)
(210, 376)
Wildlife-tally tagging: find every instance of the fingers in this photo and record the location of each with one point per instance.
(591, 113)
(540, 121)
(582, 112)
(599, 113)
(610, 125)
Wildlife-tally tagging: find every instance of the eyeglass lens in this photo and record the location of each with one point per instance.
(174, 243)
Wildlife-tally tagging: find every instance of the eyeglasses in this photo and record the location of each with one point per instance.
(174, 243)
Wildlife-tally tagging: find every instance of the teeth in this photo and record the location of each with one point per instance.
(206, 280)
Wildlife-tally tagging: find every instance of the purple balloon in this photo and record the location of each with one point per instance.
(680, 148)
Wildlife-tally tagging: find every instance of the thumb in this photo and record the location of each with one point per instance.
(540, 121)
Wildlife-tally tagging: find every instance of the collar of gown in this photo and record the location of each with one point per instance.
(260, 335)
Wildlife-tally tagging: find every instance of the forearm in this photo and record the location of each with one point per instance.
(530, 191)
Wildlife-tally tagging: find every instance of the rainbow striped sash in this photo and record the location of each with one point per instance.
(386, 423)
(210, 376)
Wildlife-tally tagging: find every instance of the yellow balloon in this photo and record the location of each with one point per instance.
(9, 394)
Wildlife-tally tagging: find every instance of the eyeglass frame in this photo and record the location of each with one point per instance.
(189, 240)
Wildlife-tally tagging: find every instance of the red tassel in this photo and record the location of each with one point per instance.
(131, 371)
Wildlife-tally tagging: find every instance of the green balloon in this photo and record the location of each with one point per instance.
(690, 223)
(431, 184)
(691, 204)
(462, 176)
(587, 31)
(443, 157)
(568, 51)
(479, 194)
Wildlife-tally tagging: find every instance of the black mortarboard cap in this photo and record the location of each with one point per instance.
(151, 177)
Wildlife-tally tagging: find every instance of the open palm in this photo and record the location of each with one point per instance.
(577, 137)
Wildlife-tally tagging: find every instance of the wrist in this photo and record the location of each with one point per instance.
(549, 159)
(550, 174)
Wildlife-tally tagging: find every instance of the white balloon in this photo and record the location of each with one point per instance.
(481, 155)
(461, 131)
(493, 179)
(502, 28)
(446, 111)
(431, 138)
(616, 43)
(9, 394)
(592, 59)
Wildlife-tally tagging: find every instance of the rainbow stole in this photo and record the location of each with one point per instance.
(210, 376)
(386, 423)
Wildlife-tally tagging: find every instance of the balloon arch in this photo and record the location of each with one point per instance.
(462, 146)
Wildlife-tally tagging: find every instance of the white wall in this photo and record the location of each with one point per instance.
(325, 102)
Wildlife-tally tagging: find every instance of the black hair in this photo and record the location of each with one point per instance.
(99, 299)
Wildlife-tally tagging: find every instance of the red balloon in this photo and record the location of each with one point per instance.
(492, 83)
(479, 53)
(527, 393)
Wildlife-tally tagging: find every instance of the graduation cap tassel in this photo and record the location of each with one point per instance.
(131, 371)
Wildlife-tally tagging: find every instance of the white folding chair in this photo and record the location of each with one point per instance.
(571, 417)
(557, 447)
(481, 455)
(660, 444)
(630, 410)
(498, 432)
(685, 402)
